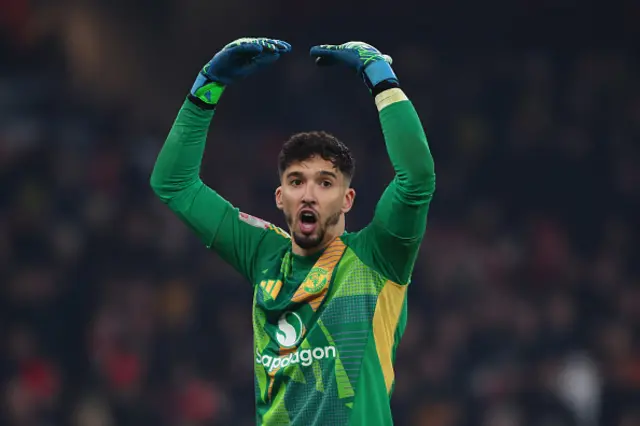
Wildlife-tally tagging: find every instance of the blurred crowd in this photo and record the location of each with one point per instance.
(524, 308)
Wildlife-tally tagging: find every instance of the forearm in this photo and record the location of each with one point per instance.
(178, 164)
(176, 175)
(402, 210)
(407, 146)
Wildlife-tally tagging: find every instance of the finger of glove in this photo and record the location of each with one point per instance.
(327, 46)
(271, 47)
(248, 49)
(323, 49)
(324, 54)
(281, 46)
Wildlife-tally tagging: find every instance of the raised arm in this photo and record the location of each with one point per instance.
(400, 219)
(390, 243)
(176, 175)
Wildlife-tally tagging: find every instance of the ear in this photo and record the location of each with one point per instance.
(349, 198)
(279, 198)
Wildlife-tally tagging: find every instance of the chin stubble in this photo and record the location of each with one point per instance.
(308, 242)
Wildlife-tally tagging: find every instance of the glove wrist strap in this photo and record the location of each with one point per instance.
(378, 72)
(200, 103)
(207, 91)
(383, 86)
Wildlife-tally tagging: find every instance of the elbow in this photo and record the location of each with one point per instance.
(167, 188)
(423, 185)
(424, 175)
(160, 188)
(428, 184)
(417, 189)
(427, 175)
(422, 179)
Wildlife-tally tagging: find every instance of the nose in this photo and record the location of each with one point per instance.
(309, 197)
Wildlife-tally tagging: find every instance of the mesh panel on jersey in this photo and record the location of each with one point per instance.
(260, 335)
(348, 317)
(295, 373)
(345, 388)
(350, 310)
(261, 341)
(310, 407)
(317, 374)
(277, 414)
(355, 278)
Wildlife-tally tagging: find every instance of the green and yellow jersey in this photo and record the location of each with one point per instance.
(326, 327)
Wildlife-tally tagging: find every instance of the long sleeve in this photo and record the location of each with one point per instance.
(394, 236)
(414, 182)
(175, 179)
(176, 175)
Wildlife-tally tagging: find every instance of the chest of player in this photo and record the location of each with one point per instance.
(319, 308)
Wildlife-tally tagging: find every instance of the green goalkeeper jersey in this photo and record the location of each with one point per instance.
(326, 327)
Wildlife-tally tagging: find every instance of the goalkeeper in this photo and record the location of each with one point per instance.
(329, 306)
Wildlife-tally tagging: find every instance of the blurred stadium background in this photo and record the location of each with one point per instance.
(525, 305)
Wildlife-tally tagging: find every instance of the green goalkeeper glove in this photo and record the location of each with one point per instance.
(235, 61)
(368, 62)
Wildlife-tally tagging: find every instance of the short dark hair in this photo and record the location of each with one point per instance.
(305, 145)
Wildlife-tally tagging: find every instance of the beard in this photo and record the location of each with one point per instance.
(314, 240)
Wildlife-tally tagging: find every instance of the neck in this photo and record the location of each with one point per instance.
(331, 234)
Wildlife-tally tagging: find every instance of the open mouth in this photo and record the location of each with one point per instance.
(308, 221)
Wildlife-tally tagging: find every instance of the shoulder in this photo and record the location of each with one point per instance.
(272, 237)
(393, 258)
(356, 241)
(349, 237)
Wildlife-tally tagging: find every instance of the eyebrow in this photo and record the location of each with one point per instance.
(321, 173)
(327, 173)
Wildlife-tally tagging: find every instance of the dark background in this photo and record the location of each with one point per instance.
(525, 303)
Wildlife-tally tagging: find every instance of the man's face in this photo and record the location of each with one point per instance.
(313, 196)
